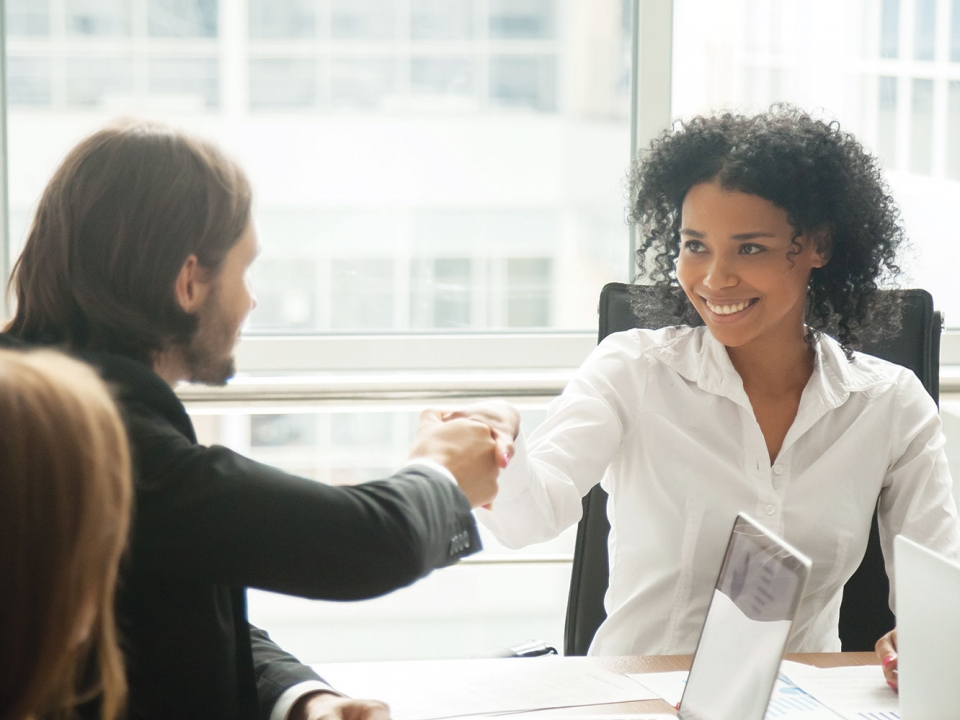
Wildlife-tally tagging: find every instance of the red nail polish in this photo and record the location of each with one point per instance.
(888, 659)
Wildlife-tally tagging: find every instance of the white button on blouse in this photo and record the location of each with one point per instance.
(661, 419)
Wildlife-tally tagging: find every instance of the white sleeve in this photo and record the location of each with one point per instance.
(283, 706)
(541, 488)
(917, 495)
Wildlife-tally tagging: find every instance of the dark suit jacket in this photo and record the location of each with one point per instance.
(208, 523)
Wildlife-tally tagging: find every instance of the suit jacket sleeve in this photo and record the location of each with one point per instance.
(275, 669)
(234, 521)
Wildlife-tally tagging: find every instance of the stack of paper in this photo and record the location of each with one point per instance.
(431, 689)
(806, 692)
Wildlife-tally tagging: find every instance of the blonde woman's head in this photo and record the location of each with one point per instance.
(65, 496)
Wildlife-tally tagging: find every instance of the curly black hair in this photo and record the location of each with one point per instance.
(824, 180)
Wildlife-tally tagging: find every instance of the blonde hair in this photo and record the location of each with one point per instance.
(65, 496)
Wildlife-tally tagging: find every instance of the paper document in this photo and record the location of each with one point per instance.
(432, 689)
(856, 693)
(787, 702)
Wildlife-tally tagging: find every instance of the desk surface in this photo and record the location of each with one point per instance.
(443, 672)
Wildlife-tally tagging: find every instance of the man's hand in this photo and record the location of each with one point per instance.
(329, 706)
(471, 450)
(887, 652)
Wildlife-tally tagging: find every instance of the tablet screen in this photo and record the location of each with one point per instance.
(746, 628)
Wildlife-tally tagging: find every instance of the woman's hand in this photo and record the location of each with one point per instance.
(887, 652)
(500, 416)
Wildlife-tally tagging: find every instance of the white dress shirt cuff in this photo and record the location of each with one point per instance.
(281, 708)
(430, 465)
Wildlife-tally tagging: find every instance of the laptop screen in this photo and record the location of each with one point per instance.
(747, 626)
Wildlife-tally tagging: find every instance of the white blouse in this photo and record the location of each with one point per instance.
(661, 420)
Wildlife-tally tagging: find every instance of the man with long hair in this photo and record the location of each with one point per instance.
(137, 261)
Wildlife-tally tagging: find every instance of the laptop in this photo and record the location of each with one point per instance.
(748, 623)
(928, 632)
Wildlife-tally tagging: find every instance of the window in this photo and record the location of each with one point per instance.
(953, 131)
(100, 18)
(955, 32)
(890, 29)
(533, 19)
(887, 122)
(28, 17)
(29, 81)
(924, 42)
(182, 18)
(115, 57)
(921, 127)
(282, 19)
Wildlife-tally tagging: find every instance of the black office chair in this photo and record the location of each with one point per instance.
(864, 613)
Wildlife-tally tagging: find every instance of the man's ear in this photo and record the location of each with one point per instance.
(192, 285)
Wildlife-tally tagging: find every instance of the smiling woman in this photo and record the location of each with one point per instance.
(770, 231)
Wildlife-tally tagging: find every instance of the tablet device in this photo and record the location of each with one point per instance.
(747, 626)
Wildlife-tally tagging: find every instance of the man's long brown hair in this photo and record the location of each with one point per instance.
(114, 226)
(65, 495)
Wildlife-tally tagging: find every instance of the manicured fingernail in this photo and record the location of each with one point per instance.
(892, 686)
(888, 659)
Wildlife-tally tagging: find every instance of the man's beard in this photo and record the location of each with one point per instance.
(209, 354)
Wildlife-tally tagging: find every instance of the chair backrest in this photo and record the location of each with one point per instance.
(864, 614)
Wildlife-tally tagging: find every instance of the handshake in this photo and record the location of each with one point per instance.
(474, 444)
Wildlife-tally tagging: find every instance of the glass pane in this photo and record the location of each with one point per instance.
(921, 127)
(29, 81)
(102, 81)
(441, 19)
(185, 83)
(442, 76)
(363, 19)
(98, 17)
(955, 31)
(890, 29)
(887, 122)
(362, 294)
(282, 18)
(523, 81)
(441, 293)
(288, 431)
(286, 292)
(953, 129)
(282, 83)
(361, 83)
(182, 18)
(528, 298)
(533, 19)
(27, 17)
(924, 29)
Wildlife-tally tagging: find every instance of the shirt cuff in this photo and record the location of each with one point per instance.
(431, 465)
(281, 708)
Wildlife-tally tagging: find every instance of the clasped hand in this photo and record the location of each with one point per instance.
(473, 443)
